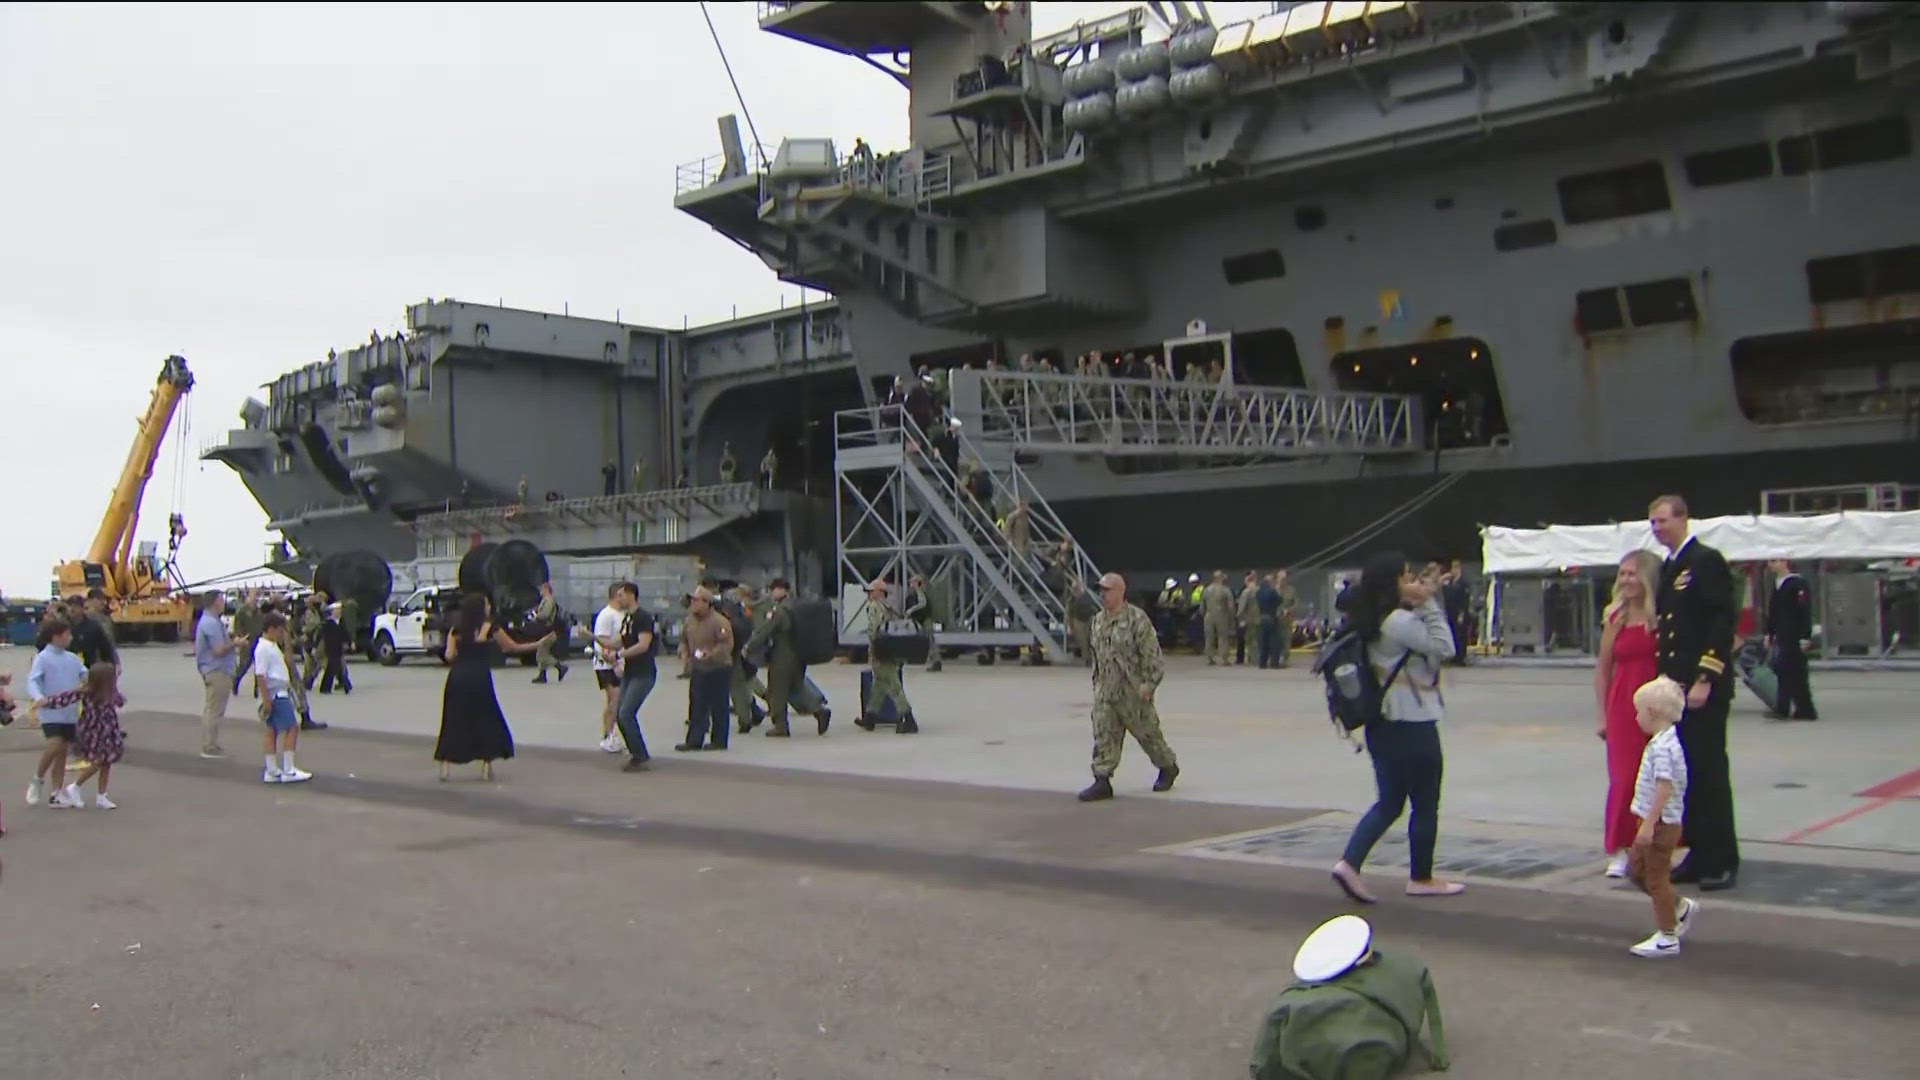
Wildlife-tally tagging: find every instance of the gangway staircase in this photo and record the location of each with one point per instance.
(901, 511)
(1219, 421)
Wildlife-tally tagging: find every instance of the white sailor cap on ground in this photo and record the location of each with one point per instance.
(1333, 948)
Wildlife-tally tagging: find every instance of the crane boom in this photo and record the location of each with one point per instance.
(123, 509)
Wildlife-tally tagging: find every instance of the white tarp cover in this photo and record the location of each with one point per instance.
(1857, 534)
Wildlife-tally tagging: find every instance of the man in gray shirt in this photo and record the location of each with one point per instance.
(213, 656)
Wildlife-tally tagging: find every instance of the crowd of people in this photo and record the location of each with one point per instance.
(1663, 687)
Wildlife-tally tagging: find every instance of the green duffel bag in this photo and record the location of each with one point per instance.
(1362, 1025)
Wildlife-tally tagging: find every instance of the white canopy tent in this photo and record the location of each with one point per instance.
(1749, 538)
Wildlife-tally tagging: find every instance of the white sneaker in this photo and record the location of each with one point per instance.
(295, 776)
(105, 803)
(1660, 944)
(270, 776)
(1684, 921)
(1617, 866)
(58, 801)
(74, 798)
(34, 788)
(612, 744)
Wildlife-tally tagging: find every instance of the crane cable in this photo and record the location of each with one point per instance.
(182, 432)
(758, 154)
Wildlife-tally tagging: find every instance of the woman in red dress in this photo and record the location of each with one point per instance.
(1626, 662)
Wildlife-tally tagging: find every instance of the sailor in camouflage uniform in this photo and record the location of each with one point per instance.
(300, 668)
(887, 689)
(547, 616)
(1127, 669)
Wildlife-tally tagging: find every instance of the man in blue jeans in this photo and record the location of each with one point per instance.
(706, 642)
(637, 673)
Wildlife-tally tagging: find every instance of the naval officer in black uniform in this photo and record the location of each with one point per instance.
(1789, 624)
(1692, 647)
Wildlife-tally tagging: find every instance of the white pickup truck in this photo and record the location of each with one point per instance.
(417, 626)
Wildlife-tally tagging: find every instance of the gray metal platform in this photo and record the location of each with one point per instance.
(603, 523)
(1127, 417)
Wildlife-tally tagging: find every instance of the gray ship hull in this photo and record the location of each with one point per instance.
(1281, 525)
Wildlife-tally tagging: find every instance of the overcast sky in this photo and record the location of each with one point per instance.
(250, 186)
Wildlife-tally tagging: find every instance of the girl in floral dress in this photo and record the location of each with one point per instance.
(100, 741)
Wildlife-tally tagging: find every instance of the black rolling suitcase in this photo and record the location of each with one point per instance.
(866, 694)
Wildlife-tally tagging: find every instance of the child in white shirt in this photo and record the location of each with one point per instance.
(275, 682)
(1659, 794)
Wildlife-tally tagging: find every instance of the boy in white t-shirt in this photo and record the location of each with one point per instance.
(1659, 795)
(275, 681)
(606, 666)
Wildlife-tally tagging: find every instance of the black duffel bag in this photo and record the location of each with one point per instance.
(902, 641)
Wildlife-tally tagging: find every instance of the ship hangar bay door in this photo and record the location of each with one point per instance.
(1199, 349)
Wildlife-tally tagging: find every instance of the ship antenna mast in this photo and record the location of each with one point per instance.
(758, 154)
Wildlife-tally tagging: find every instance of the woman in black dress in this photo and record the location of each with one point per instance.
(472, 727)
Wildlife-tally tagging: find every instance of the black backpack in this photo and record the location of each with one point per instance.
(736, 614)
(1356, 696)
(816, 630)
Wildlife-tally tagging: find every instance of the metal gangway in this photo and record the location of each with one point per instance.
(1116, 416)
(901, 511)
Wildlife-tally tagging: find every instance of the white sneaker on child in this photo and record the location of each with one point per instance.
(1617, 866)
(58, 801)
(270, 776)
(34, 789)
(294, 776)
(1683, 922)
(1660, 944)
(105, 803)
(73, 796)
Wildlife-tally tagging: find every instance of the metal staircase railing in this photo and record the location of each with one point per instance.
(1017, 578)
(1046, 530)
(1113, 416)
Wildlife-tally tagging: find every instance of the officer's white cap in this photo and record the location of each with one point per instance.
(1338, 944)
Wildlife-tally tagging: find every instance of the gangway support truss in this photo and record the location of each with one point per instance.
(1160, 417)
(901, 511)
(645, 518)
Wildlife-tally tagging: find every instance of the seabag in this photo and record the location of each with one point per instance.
(816, 632)
(736, 614)
(1355, 695)
(1363, 1025)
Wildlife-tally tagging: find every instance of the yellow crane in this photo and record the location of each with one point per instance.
(139, 588)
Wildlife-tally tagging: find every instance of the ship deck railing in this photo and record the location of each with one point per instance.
(895, 175)
(319, 511)
(714, 499)
(712, 169)
(1115, 416)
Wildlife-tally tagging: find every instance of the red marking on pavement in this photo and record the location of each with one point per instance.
(1892, 791)
(1900, 787)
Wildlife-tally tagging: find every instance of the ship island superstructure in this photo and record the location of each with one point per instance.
(1602, 250)
(1406, 268)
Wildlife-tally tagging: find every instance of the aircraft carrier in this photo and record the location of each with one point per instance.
(1410, 268)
